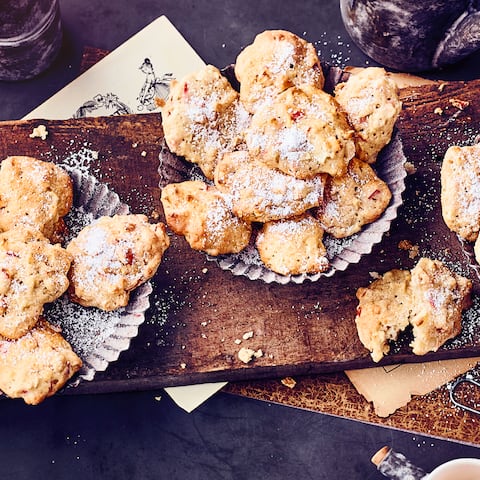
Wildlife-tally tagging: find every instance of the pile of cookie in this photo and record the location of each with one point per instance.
(99, 268)
(283, 160)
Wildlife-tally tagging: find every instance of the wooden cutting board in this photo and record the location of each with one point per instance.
(199, 311)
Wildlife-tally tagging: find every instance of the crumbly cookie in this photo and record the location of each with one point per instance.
(460, 194)
(32, 272)
(439, 298)
(36, 365)
(35, 193)
(293, 246)
(113, 256)
(202, 118)
(202, 215)
(370, 100)
(259, 193)
(275, 61)
(302, 133)
(429, 297)
(383, 311)
(353, 200)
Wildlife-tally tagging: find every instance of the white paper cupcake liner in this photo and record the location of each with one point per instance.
(98, 337)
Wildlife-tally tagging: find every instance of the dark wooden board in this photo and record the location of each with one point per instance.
(198, 310)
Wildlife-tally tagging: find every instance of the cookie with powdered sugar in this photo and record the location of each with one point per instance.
(37, 365)
(275, 61)
(112, 256)
(303, 133)
(33, 272)
(353, 200)
(259, 193)
(34, 193)
(202, 214)
(370, 100)
(460, 193)
(203, 118)
(293, 246)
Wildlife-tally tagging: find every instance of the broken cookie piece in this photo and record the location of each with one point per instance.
(429, 297)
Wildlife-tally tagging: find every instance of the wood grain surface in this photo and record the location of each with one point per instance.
(198, 310)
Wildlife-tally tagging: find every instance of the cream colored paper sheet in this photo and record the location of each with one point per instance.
(392, 387)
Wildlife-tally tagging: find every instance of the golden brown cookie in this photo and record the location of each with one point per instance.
(275, 61)
(429, 297)
(460, 195)
(32, 272)
(259, 193)
(439, 297)
(113, 256)
(202, 118)
(302, 133)
(353, 200)
(370, 100)
(293, 246)
(203, 216)
(383, 311)
(35, 193)
(36, 365)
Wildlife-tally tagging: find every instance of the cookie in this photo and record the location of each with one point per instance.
(429, 297)
(383, 311)
(293, 246)
(203, 216)
(302, 133)
(370, 100)
(36, 365)
(353, 200)
(460, 190)
(202, 118)
(34, 193)
(275, 61)
(439, 296)
(32, 272)
(259, 193)
(113, 256)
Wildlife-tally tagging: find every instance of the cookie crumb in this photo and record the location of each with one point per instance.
(441, 87)
(374, 275)
(204, 270)
(410, 168)
(39, 132)
(438, 111)
(460, 104)
(183, 366)
(144, 153)
(246, 355)
(410, 247)
(237, 341)
(248, 335)
(288, 382)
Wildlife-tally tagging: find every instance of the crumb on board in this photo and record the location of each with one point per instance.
(410, 168)
(413, 250)
(144, 153)
(237, 341)
(442, 86)
(246, 355)
(288, 382)
(158, 398)
(183, 366)
(39, 132)
(205, 270)
(248, 335)
(438, 111)
(457, 103)
(375, 275)
(155, 215)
